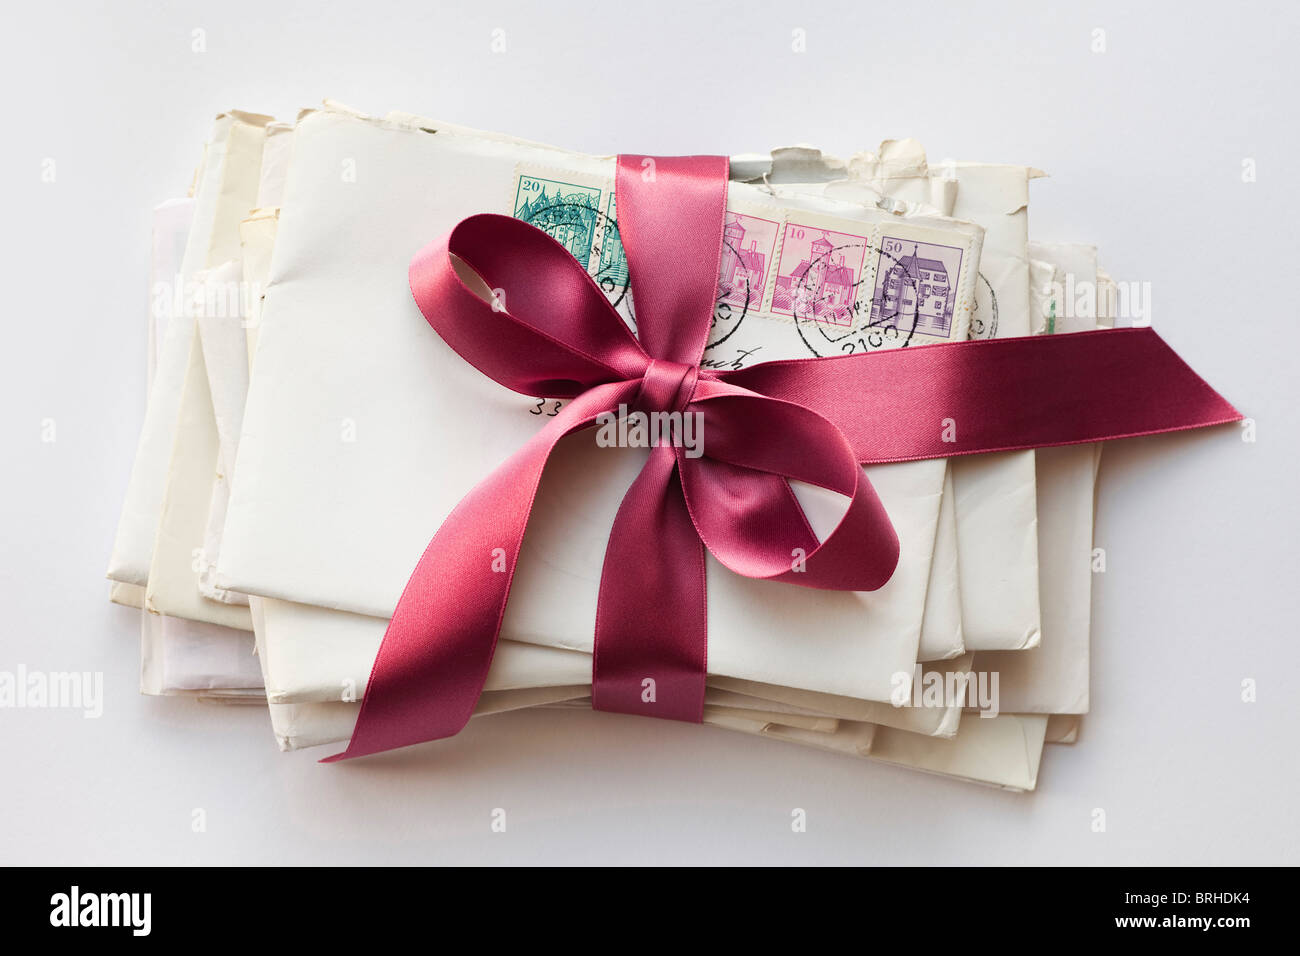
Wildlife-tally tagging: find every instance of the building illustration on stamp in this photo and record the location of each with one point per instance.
(747, 244)
(612, 273)
(823, 285)
(565, 212)
(914, 290)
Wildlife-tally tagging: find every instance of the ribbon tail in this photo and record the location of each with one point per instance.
(651, 620)
(966, 398)
(435, 655)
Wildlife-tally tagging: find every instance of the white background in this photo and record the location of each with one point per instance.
(1145, 144)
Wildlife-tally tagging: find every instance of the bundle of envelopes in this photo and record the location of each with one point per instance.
(306, 432)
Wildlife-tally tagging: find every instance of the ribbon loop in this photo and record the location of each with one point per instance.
(518, 307)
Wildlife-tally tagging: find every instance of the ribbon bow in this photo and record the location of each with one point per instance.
(811, 420)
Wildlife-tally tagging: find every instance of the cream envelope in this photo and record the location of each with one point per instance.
(133, 544)
(994, 494)
(1004, 755)
(212, 240)
(1053, 678)
(211, 406)
(228, 341)
(942, 637)
(313, 655)
(1063, 728)
(127, 595)
(941, 627)
(224, 353)
(938, 721)
(171, 229)
(180, 657)
(297, 726)
(177, 562)
(349, 380)
(256, 241)
(1002, 751)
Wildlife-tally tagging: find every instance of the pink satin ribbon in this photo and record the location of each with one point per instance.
(814, 420)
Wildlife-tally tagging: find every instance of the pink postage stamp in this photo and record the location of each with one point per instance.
(748, 244)
(818, 275)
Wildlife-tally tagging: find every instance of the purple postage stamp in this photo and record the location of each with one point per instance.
(915, 286)
(748, 243)
(818, 275)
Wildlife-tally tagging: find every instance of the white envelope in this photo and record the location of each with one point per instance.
(1053, 678)
(177, 656)
(192, 657)
(995, 497)
(212, 240)
(211, 403)
(1063, 729)
(133, 544)
(349, 380)
(806, 171)
(313, 655)
(177, 561)
(171, 229)
(1002, 751)
(300, 725)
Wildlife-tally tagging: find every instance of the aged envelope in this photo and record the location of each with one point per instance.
(192, 657)
(171, 229)
(212, 240)
(995, 494)
(133, 544)
(301, 725)
(1002, 751)
(1053, 678)
(177, 560)
(211, 406)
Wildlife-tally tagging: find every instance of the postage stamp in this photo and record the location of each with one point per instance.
(915, 288)
(748, 250)
(567, 209)
(611, 261)
(818, 272)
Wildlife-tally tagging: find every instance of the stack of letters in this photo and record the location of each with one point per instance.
(307, 432)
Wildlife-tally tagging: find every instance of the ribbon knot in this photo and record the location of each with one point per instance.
(667, 386)
(517, 306)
